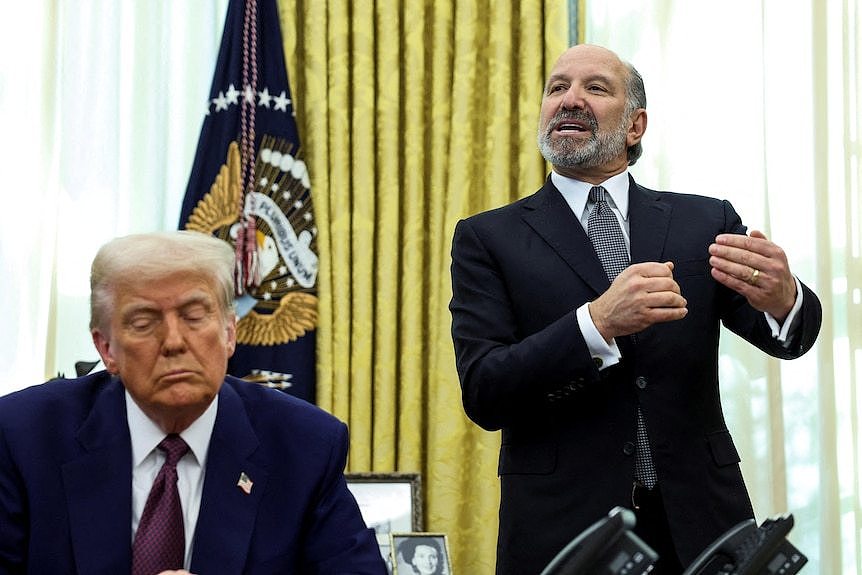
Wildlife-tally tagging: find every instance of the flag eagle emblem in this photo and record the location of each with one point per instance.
(281, 311)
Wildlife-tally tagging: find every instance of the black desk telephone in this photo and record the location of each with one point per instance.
(608, 547)
(747, 549)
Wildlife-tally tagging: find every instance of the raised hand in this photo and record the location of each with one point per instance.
(756, 268)
(642, 295)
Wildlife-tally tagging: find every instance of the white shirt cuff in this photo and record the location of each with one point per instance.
(783, 332)
(604, 354)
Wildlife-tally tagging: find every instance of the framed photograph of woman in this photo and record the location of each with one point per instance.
(389, 502)
(421, 554)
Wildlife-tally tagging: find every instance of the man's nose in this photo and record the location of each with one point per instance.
(573, 99)
(173, 336)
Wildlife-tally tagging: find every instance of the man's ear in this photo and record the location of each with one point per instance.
(231, 335)
(103, 346)
(637, 128)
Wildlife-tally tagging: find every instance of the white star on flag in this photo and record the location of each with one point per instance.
(220, 102)
(281, 101)
(232, 95)
(264, 98)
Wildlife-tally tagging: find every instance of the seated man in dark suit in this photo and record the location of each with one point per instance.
(162, 461)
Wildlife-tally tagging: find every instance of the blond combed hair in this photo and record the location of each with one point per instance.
(156, 255)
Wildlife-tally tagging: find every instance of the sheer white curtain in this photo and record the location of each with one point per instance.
(101, 103)
(758, 101)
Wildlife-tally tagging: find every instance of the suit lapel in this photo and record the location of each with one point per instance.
(226, 521)
(551, 217)
(98, 487)
(649, 219)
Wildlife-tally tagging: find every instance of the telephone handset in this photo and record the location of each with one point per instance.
(747, 549)
(608, 547)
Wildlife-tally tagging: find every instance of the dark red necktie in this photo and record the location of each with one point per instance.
(160, 540)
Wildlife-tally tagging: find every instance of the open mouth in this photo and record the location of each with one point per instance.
(571, 126)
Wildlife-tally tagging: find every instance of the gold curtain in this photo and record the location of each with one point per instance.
(413, 114)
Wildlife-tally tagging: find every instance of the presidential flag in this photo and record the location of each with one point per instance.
(250, 187)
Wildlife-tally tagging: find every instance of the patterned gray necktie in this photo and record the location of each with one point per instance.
(607, 238)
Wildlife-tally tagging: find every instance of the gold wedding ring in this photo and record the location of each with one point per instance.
(754, 275)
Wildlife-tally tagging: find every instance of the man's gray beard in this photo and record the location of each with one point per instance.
(601, 148)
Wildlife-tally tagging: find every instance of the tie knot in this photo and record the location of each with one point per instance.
(174, 448)
(597, 194)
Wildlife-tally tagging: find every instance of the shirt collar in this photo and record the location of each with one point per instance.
(146, 435)
(576, 192)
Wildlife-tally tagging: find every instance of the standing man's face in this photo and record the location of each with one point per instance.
(584, 127)
(169, 341)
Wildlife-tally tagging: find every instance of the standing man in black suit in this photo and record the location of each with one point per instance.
(586, 328)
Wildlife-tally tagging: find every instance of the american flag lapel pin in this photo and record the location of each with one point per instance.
(244, 483)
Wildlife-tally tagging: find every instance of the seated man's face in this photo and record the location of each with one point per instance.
(169, 342)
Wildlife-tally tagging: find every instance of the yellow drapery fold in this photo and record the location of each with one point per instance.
(413, 114)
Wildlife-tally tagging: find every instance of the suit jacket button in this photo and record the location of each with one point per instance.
(629, 448)
(641, 382)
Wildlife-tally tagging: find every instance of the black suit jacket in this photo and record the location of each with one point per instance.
(567, 457)
(66, 485)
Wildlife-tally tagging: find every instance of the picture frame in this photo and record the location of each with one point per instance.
(389, 503)
(420, 553)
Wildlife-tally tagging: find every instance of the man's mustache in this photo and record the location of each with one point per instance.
(580, 115)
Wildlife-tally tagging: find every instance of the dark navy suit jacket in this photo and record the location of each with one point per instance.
(568, 430)
(66, 476)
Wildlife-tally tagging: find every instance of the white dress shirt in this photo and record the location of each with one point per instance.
(147, 460)
(576, 194)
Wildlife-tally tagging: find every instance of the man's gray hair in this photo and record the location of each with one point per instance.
(156, 255)
(635, 98)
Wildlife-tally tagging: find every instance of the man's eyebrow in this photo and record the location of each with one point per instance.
(555, 78)
(195, 298)
(596, 77)
(138, 308)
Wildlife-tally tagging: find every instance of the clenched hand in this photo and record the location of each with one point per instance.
(642, 295)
